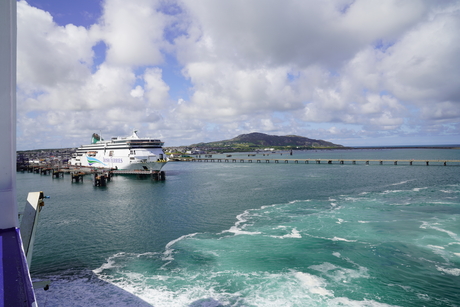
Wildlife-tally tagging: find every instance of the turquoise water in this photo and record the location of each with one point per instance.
(255, 234)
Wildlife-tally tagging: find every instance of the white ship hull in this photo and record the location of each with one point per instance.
(130, 153)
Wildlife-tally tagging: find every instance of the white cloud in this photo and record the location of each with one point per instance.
(338, 75)
(224, 91)
(47, 54)
(133, 31)
(137, 92)
(293, 32)
(344, 69)
(424, 65)
(381, 20)
(59, 87)
(156, 88)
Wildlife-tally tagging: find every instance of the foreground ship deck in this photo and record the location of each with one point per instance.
(15, 284)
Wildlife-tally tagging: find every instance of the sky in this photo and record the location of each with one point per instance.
(352, 72)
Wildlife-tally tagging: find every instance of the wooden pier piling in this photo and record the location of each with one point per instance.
(57, 173)
(158, 176)
(76, 177)
(100, 180)
(45, 170)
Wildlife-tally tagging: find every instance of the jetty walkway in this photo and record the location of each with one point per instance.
(100, 175)
(325, 161)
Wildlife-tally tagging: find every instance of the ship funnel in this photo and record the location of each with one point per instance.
(95, 138)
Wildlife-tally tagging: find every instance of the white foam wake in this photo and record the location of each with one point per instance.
(168, 253)
(453, 271)
(293, 234)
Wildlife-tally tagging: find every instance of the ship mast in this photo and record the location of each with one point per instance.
(8, 207)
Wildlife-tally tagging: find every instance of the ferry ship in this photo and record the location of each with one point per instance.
(121, 153)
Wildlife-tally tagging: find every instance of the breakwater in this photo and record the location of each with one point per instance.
(325, 161)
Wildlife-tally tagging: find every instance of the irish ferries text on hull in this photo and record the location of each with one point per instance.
(123, 153)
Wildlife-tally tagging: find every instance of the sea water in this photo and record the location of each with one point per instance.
(255, 234)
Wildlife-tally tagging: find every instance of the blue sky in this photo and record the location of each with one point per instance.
(80, 13)
(355, 73)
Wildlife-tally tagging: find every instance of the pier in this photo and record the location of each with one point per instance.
(100, 176)
(327, 161)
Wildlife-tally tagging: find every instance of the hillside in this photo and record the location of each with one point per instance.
(255, 140)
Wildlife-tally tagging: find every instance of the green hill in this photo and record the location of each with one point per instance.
(255, 140)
